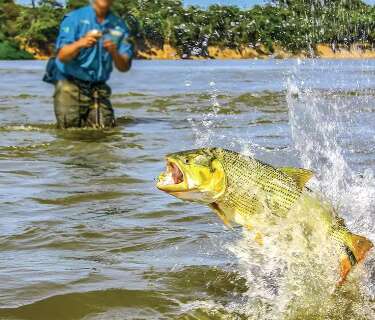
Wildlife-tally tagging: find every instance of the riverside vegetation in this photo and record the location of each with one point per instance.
(167, 29)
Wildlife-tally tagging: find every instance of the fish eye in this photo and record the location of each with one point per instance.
(186, 161)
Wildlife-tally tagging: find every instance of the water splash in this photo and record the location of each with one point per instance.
(326, 134)
(204, 127)
(322, 129)
(285, 280)
(209, 128)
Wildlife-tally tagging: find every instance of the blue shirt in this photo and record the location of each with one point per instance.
(92, 64)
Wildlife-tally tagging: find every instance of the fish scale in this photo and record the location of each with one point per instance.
(245, 174)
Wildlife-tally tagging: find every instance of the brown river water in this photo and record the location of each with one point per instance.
(84, 234)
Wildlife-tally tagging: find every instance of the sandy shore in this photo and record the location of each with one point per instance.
(323, 51)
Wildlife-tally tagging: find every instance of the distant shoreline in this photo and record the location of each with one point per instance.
(323, 51)
(165, 29)
(320, 51)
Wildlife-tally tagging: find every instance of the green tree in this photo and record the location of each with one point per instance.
(293, 24)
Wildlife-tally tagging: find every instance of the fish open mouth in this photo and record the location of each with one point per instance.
(172, 176)
(177, 175)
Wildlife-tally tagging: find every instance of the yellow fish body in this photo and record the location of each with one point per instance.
(248, 192)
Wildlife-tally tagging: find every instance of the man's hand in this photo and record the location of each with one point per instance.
(70, 51)
(87, 41)
(110, 46)
(122, 63)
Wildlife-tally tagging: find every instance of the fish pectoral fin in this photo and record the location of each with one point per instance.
(259, 239)
(215, 207)
(300, 176)
(249, 227)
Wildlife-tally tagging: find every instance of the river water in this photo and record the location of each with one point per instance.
(84, 234)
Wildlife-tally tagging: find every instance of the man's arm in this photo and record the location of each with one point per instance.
(70, 51)
(122, 62)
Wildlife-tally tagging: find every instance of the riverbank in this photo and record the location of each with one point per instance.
(167, 52)
(168, 29)
(323, 51)
(11, 51)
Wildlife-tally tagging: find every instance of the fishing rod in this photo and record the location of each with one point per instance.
(97, 109)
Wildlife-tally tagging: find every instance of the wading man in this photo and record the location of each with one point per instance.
(91, 40)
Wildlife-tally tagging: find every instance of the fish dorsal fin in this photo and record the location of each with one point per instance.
(300, 176)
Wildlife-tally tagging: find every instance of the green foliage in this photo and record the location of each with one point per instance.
(293, 24)
(39, 26)
(75, 4)
(11, 51)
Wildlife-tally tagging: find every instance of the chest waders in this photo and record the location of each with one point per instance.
(80, 104)
(90, 100)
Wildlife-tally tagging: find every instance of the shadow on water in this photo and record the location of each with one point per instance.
(79, 198)
(72, 306)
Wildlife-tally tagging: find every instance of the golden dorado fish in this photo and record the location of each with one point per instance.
(248, 192)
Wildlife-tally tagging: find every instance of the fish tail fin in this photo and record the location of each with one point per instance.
(359, 246)
(346, 265)
(356, 248)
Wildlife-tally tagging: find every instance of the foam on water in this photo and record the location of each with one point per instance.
(289, 277)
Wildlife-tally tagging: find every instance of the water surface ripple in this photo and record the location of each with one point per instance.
(85, 235)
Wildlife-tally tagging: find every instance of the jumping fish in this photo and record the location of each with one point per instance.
(245, 191)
